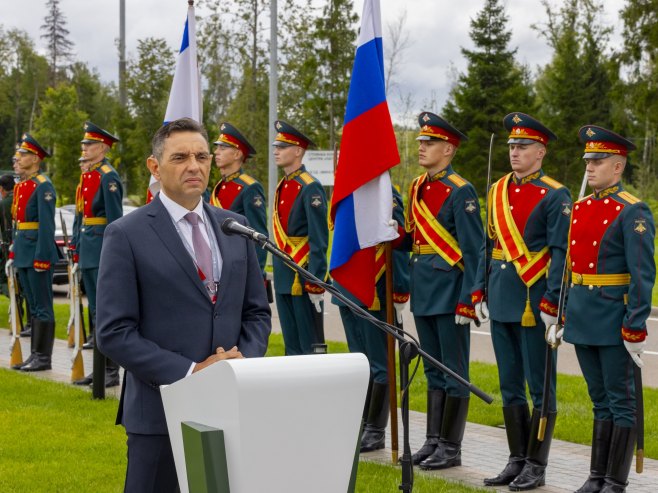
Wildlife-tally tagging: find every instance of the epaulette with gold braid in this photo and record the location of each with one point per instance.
(306, 178)
(457, 180)
(106, 168)
(551, 182)
(41, 178)
(630, 198)
(247, 179)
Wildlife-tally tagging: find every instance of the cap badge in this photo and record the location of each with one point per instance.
(426, 117)
(223, 126)
(590, 132)
(516, 119)
(278, 125)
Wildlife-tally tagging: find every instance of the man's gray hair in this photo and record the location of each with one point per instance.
(180, 125)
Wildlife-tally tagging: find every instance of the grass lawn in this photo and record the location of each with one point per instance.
(55, 438)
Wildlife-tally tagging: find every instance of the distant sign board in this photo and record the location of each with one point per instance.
(321, 165)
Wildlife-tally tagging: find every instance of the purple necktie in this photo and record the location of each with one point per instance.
(201, 249)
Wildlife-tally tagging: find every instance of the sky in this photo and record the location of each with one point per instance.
(437, 29)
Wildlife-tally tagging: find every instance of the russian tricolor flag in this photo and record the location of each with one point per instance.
(185, 97)
(362, 203)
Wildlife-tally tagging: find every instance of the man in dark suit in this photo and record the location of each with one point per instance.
(175, 294)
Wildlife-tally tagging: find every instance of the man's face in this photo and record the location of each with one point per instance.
(226, 156)
(94, 152)
(602, 173)
(285, 156)
(526, 158)
(184, 167)
(430, 152)
(27, 163)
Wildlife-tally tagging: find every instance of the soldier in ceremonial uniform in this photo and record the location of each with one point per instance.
(445, 237)
(7, 199)
(98, 203)
(611, 248)
(527, 224)
(33, 251)
(300, 228)
(237, 191)
(364, 337)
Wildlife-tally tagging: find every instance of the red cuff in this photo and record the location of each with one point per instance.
(548, 307)
(11, 254)
(466, 311)
(76, 258)
(477, 297)
(40, 264)
(313, 288)
(630, 335)
(398, 241)
(400, 297)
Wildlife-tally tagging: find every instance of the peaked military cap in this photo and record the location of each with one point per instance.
(433, 127)
(231, 137)
(287, 135)
(29, 144)
(93, 134)
(524, 129)
(601, 143)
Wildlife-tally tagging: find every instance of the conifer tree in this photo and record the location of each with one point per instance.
(57, 38)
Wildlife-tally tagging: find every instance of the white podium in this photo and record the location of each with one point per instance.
(290, 424)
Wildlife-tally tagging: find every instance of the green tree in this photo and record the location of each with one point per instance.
(336, 37)
(573, 89)
(639, 95)
(23, 81)
(95, 98)
(56, 36)
(494, 84)
(59, 128)
(148, 82)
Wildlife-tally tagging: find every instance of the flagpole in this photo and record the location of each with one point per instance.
(274, 97)
(390, 346)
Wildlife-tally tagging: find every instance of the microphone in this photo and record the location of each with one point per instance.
(232, 227)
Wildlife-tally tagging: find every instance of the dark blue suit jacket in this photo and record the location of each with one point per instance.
(155, 317)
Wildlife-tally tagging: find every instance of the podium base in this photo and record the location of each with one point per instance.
(205, 456)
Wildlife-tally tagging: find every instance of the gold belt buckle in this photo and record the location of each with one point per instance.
(578, 279)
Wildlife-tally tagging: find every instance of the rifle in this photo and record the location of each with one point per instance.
(74, 327)
(69, 269)
(487, 205)
(639, 418)
(16, 353)
(550, 349)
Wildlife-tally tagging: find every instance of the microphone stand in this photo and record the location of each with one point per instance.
(409, 349)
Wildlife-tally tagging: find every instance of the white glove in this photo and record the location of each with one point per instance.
(547, 319)
(462, 320)
(75, 268)
(393, 224)
(482, 311)
(316, 299)
(9, 266)
(399, 308)
(635, 349)
(40, 270)
(554, 334)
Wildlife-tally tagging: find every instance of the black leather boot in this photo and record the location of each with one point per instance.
(85, 380)
(43, 335)
(533, 473)
(30, 358)
(449, 452)
(435, 402)
(517, 427)
(374, 430)
(90, 341)
(111, 373)
(27, 328)
(622, 444)
(598, 462)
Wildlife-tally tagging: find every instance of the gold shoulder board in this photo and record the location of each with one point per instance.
(551, 182)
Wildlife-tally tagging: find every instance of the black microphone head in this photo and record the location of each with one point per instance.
(226, 226)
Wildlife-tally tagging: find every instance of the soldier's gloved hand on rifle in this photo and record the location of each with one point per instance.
(8, 266)
(316, 299)
(75, 268)
(399, 309)
(482, 311)
(635, 349)
(554, 333)
(547, 319)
